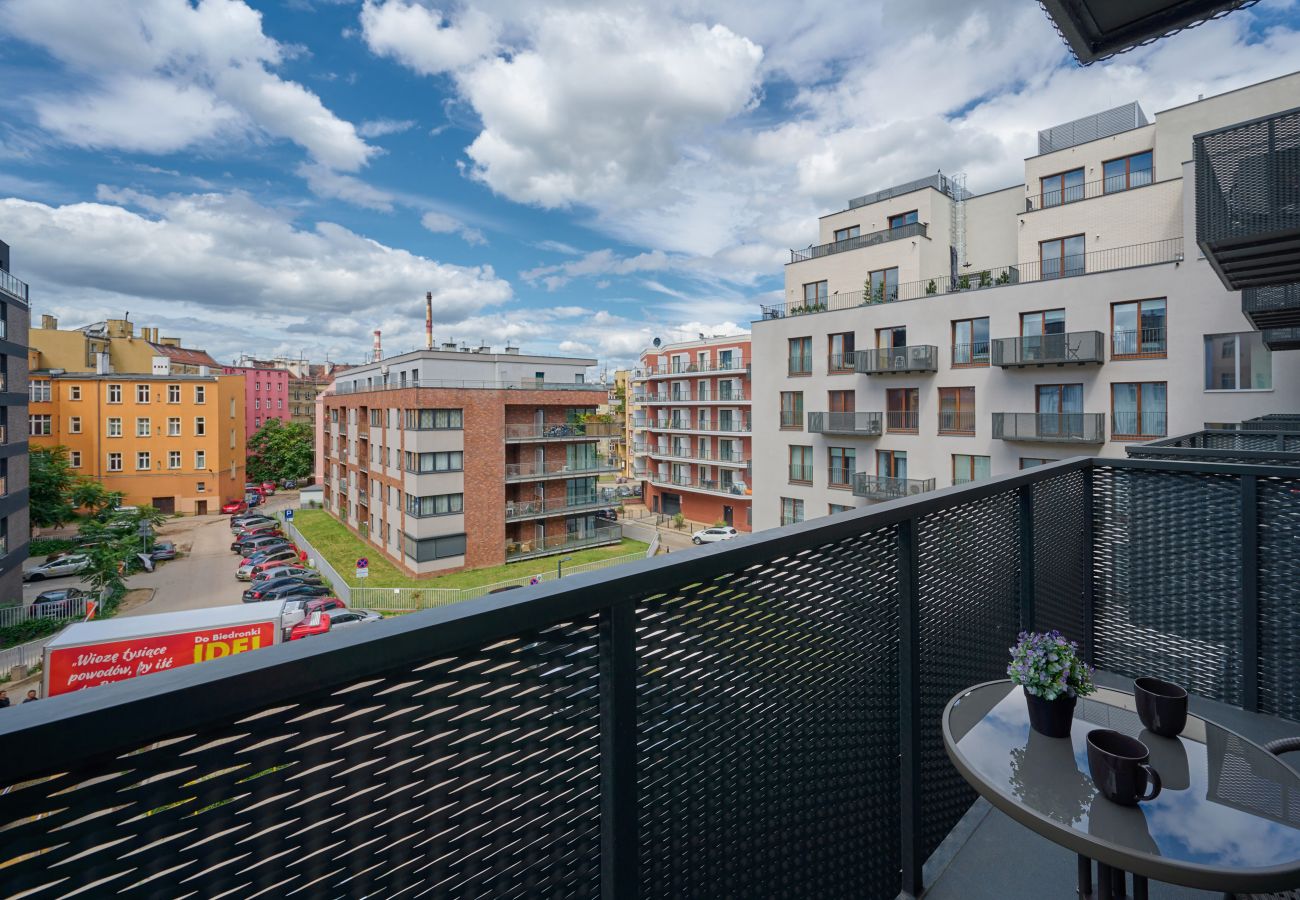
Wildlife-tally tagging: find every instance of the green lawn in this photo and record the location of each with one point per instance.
(342, 548)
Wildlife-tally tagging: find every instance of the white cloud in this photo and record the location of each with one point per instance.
(441, 223)
(598, 262)
(423, 39)
(325, 182)
(558, 247)
(374, 128)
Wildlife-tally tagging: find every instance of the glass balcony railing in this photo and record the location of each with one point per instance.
(1079, 347)
(898, 360)
(16, 289)
(885, 487)
(866, 424)
(1052, 428)
(533, 469)
(562, 543)
(556, 506)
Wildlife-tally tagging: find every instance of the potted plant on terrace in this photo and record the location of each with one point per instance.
(1053, 676)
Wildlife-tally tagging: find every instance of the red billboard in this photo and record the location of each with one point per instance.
(74, 668)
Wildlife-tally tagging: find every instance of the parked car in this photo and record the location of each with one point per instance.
(57, 568)
(296, 609)
(59, 603)
(234, 507)
(710, 535)
(317, 623)
(263, 590)
(270, 555)
(163, 550)
(250, 518)
(250, 529)
(244, 542)
(268, 488)
(266, 571)
(298, 592)
(341, 617)
(253, 500)
(290, 484)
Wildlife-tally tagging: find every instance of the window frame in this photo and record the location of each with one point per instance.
(1042, 187)
(1236, 363)
(914, 213)
(856, 229)
(805, 453)
(1128, 172)
(1116, 434)
(975, 360)
(847, 472)
(109, 467)
(1140, 354)
(832, 368)
(821, 292)
(957, 411)
(147, 458)
(804, 356)
(1062, 271)
(914, 409)
(794, 410)
(970, 458)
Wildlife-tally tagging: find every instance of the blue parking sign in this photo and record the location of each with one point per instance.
(288, 514)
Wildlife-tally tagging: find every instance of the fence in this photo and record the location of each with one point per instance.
(67, 610)
(758, 718)
(28, 654)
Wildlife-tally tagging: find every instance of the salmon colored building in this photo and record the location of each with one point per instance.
(266, 394)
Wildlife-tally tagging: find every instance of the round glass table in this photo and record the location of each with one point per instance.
(1227, 819)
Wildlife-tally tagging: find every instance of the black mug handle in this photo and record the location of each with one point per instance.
(1153, 781)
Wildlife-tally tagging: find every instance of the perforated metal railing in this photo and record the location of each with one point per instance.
(757, 718)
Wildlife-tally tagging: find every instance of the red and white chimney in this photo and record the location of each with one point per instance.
(428, 320)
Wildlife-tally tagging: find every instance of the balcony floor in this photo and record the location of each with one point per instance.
(972, 863)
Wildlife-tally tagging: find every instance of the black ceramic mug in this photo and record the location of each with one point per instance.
(1162, 706)
(1119, 767)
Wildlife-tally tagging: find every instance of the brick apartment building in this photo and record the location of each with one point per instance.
(266, 394)
(449, 459)
(691, 429)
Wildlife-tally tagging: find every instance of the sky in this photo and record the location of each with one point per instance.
(282, 177)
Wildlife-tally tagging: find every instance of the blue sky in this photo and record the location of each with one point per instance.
(284, 177)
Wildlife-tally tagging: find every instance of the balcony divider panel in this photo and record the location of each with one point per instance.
(1279, 596)
(1061, 555)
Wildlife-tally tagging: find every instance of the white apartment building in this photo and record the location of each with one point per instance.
(934, 337)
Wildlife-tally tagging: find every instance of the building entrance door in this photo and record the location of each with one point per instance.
(166, 505)
(672, 504)
(200, 507)
(728, 516)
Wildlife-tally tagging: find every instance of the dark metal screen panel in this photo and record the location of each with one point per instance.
(1091, 128)
(968, 573)
(475, 775)
(767, 729)
(1167, 564)
(1279, 596)
(1061, 555)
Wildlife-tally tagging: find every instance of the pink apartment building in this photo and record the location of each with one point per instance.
(266, 394)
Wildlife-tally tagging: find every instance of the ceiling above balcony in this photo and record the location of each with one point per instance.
(1098, 29)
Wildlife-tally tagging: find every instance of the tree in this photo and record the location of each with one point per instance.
(93, 496)
(51, 481)
(279, 450)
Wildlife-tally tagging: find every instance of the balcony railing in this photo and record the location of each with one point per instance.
(562, 543)
(1150, 424)
(1144, 343)
(735, 364)
(1052, 428)
(1260, 448)
(722, 426)
(1281, 338)
(688, 482)
(801, 473)
(970, 355)
(16, 289)
(1131, 256)
(555, 506)
(702, 396)
(1248, 200)
(871, 239)
(1275, 306)
(525, 384)
(1071, 347)
(561, 431)
(1116, 184)
(734, 457)
(898, 360)
(957, 421)
(865, 424)
(590, 731)
(884, 487)
(907, 421)
(523, 471)
(840, 362)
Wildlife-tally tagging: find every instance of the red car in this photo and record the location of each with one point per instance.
(316, 623)
(268, 488)
(234, 507)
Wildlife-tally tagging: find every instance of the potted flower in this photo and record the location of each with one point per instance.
(1053, 676)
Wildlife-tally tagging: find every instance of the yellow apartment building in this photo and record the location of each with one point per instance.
(82, 350)
(175, 442)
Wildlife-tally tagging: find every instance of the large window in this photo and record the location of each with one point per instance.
(38, 391)
(800, 356)
(957, 410)
(970, 342)
(840, 347)
(884, 285)
(114, 462)
(801, 464)
(841, 401)
(792, 409)
(969, 468)
(1127, 172)
(1137, 329)
(1138, 409)
(907, 218)
(40, 424)
(1063, 187)
(815, 293)
(901, 410)
(844, 234)
(444, 461)
(425, 549)
(1237, 362)
(889, 338)
(791, 510)
(436, 505)
(1033, 462)
(1060, 409)
(434, 419)
(843, 463)
(142, 462)
(891, 463)
(1062, 257)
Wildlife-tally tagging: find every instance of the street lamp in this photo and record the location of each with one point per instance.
(559, 566)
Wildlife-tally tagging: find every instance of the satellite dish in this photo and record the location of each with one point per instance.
(658, 342)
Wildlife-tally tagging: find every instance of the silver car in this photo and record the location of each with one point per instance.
(280, 572)
(73, 564)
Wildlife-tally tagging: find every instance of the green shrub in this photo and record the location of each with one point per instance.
(46, 546)
(28, 630)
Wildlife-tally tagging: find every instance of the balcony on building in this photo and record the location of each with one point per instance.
(860, 424)
(735, 365)
(702, 394)
(1068, 348)
(871, 239)
(898, 360)
(687, 453)
(13, 288)
(519, 510)
(562, 543)
(546, 432)
(885, 487)
(1279, 446)
(724, 487)
(1051, 428)
(1098, 29)
(1273, 307)
(531, 470)
(1248, 201)
(693, 425)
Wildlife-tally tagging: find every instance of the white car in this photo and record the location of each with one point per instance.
(709, 535)
(57, 568)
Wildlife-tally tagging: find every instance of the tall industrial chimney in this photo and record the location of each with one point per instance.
(428, 320)
(379, 350)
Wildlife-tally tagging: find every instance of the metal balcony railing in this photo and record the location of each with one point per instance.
(871, 239)
(884, 487)
(904, 420)
(1252, 447)
(898, 360)
(523, 471)
(957, 421)
(1275, 306)
(1281, 338)
(1117, 184)
(801, 473)
(735, 364)
(15, 288)
(700, 396)
(1154, 423)
(1248, 200)
(720, 426)
(1144, 343)
(555, 506)
(840, 362)
(1064, 428)
(589, 723)
(562, 543)
(1071, 347)
(865, 424)
(970, 355)
(734, 457)
(688, 482)
(562, 431)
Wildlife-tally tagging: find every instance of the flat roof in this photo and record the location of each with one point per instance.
(464, 356)
(125, 376)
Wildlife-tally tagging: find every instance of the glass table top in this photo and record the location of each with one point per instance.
(1226, 803)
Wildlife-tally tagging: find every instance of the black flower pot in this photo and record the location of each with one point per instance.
(1051, 717)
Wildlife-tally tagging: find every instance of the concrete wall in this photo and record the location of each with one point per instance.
(1122, 219)
(1177, 126)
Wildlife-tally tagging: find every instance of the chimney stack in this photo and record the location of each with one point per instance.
(428, 320)
(49, 323)
(379, 350)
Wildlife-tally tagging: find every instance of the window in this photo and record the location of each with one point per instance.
(800, 356)
(891, 463)
(1137, 329)
(40, 424)
(801, 464)
(114, 426)
(1062, 257)
(114, 462)
(836, 509)
(844, 234)
(74, 425)
(840, 349)
(791, 510)
(1040, 335)
(1063, 187)
(200, 394)
(1059, 409)
(841, 401)
(1138, 409)
(884, 285)
(970, 342)
(200, 426)
(173, 393)
(446, 461)
(957, 410)
(200, 487)
(969, 468)
(438, 505)
(434, 419)
(38, 391)
(1238, 362)
(257, 404)
(173, 459)
(74, 392)
(142, 460)
(74, 459)
(889, 338)
(425, 549)
(142, 393)
(1031, 462)
(376, 418)
(815, 293)
(901, 405)
(907, 218)
(843, 463)
(1127, 172)
(143, 428)
(115, 393)
(174, 426)
(792, 409)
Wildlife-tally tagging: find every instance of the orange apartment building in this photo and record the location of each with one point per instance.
(450, 459)
(691, 430)
(175, 442)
